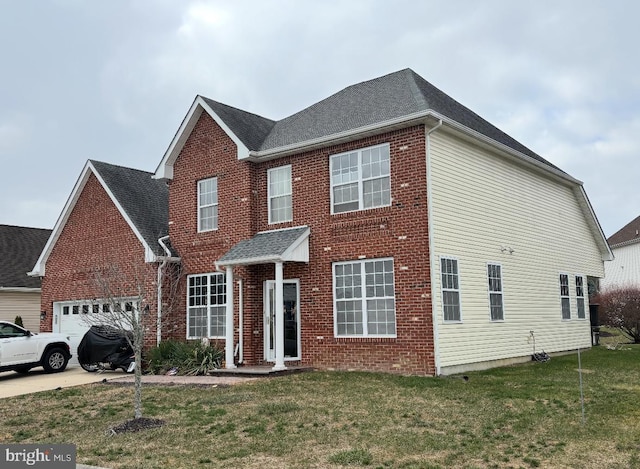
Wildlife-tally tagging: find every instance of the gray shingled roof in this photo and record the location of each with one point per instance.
(268, 244)
(251, 129)
(144, 199)
(392, 96)
(20, 248)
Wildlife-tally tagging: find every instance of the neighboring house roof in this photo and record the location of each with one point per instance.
(628, 234)
(286, 245)
(19, 250)
(142, 201)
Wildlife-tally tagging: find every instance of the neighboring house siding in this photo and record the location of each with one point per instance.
(482, 203)
(398, 231)
(24, 304)
(624, 270)
(95, 237)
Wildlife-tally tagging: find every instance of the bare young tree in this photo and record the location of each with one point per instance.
(620, 308)
(124, 302)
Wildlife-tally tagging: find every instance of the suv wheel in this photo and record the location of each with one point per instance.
(55, 360)
(23, 370)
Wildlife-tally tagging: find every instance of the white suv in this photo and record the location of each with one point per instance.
(21, 350)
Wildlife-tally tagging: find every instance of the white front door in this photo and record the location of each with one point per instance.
(291, 299)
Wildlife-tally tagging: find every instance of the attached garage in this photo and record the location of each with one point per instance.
(74, 318)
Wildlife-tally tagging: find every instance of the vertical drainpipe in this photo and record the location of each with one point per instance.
(159, 286)
(240, 320)
(434, 270)
(228, 348)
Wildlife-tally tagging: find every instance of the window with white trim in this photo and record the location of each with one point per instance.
(206, 306)
(279, 194)
(361, 179)
(494, 276)
(208, 204)
(364, 298)
(565, 301)
(450, 289)
(580, 296)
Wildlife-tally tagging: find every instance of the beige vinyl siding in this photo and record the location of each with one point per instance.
(481, 204)
(25, 304)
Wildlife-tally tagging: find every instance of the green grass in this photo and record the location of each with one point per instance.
(524, 416)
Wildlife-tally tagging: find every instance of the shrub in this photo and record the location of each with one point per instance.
(188, 358)
(18, 321)
(620, 308)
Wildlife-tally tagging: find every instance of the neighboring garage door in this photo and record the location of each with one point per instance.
(73, 320)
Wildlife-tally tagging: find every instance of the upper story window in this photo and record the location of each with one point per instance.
(494, 274)
(450, 289)
(564, 296)
(361, 179)
(279, 194)
(208, 204)
(580, 296)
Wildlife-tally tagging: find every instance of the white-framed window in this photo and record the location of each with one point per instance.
(450, 289)
(565, 301)
(580, 297)
(208, 204)
(280, 194)
(361, 179)
(364, 298)
(206, 306)
(496, 305)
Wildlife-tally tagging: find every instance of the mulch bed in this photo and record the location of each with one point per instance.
(135, 425)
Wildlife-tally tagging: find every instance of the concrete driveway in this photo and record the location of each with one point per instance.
(16, 384)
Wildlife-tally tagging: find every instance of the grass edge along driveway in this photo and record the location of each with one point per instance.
(521, 416)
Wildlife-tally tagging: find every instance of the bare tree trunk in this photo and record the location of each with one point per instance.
(137, 394)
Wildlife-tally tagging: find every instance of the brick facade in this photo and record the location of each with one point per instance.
(399, 231)
(94, 240)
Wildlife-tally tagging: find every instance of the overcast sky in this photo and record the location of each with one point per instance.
(112, 80)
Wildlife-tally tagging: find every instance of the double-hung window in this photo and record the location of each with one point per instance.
(364, 298)
(565, 301)
(580, 296)
(279, 194)
(450, 289)
(494, 275)
(208, 204)
(206, 306)
(361, 179)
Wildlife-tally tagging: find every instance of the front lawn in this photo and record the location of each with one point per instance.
(522, 416)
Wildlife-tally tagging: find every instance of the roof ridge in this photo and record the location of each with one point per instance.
(121, 167)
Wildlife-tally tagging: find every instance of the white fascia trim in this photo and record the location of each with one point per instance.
(505, 149)
(418, 117)
(594, 224)
(165, 168)
(39, 268)
(415, 118)
(20, 290)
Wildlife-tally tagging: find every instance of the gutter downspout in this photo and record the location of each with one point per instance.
(159, 284)
(240, 320)
(434, 312)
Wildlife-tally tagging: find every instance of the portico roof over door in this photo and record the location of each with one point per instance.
(277, 246)
(286, 245)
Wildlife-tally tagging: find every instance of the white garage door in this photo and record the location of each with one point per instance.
(75, 318)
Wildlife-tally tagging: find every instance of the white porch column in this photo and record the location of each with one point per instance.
(228, 346)
(279, 313)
